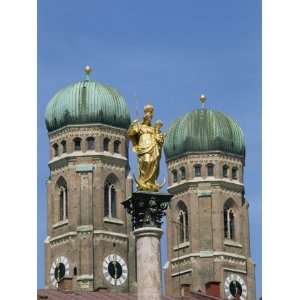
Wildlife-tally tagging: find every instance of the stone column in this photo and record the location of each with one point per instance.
(148, 262)
(147, 210)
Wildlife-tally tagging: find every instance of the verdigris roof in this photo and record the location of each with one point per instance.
(204, 130)
(87, 102)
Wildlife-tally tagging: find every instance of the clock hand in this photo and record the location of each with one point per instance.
(58, 273)
(115, 270)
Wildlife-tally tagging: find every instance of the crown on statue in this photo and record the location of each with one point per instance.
(159, 122)
(148, 108)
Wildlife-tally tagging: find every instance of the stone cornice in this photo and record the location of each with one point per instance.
(66, 157)
(220, 257)
(205, 156)
(122, 235)
(85, 277)
(182, 272)
(87, 129)
(60, 223)
(84, 228)
(235, 270)
(208, 254)
(192, 184)
(62, 238)
(87, 229)
(113, 221)
(232, 244)
(111, 236)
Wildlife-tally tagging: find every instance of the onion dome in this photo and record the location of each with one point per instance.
(204, 130)
(87, 102)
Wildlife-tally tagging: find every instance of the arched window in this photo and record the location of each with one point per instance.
(117, 146)
(229, 221)
(110, 208)
(197, 169)
(77, 144)
(183, 222)
(90, 143)
(210, 170)
(55, 150)
(175, 177)
(63, 199)
(106, 144)
(225, 171)
(182, 173)
(234, 172)
(63, 146)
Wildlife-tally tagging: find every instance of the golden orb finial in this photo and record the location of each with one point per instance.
(87, 71)
(202, 100)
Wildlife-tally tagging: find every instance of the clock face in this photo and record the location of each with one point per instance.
(235, 286)
(59, 269)
(115, 269)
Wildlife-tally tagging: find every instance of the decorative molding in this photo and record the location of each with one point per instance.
(122, 235)
(112, 166)
(87, 229)
(235, 270)
(204, 157)
(85, 277)
(60, 223)
(113, 221)
(182, 272)
(62, 238)
(232, 243)
(230, 260)
(209, 254)
(87, 130)
(84, 228)
(225, 258)
(181, 191)
(206, 193)
(182, 245)
(111, 236)
(95, 154)
(85, 168)
(181, 263)
(232, 185)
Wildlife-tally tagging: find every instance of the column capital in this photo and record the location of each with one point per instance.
(147, 208)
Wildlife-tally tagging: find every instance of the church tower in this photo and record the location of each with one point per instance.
(207, 222)
(89, 243)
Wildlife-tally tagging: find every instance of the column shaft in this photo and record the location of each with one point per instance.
(148, 263)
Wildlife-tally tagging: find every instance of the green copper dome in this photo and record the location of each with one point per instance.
(204, 130)
(87, 102)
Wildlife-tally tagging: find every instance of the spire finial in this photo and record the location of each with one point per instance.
(202, 100)
(87, 71)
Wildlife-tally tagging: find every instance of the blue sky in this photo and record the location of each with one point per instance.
(165, 52)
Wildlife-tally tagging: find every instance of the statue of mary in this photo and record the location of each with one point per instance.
(147, 143)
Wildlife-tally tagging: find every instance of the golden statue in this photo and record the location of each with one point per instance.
(147, 143)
